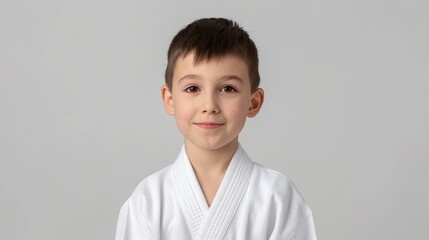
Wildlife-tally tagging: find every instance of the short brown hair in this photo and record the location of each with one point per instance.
(213, 37)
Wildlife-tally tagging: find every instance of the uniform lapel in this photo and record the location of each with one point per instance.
(228, 197)
(189, 194)
(204, 222)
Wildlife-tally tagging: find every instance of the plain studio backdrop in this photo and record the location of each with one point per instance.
(346, 112)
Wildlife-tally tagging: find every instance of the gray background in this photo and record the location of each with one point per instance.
(82, 123)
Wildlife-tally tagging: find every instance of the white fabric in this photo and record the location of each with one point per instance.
(252, 203)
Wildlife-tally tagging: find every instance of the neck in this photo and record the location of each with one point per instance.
(210, 166)
(210, 162)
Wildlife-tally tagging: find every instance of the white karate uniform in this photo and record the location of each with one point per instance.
(252, 203)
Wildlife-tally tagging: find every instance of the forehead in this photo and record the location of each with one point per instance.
(215, 67)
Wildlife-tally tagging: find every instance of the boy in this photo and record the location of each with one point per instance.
(213, 190)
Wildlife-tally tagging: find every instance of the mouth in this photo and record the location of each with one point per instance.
(208, 125)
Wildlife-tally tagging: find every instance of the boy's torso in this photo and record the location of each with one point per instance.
(253, 202)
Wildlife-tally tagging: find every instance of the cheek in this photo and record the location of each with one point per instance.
(183, 110)
(239, 111)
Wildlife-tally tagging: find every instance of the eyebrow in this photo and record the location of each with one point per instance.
(190, 76)
(223, 78)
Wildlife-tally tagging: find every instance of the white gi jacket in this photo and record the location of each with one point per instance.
(252, 203)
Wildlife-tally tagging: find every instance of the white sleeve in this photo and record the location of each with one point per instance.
(131, 226)
(306, 230)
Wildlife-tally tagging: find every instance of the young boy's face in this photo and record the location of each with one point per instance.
(211, 100)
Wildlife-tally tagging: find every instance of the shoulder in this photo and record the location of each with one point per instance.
(274, 197)
(158, 178)
(148, 193)
(142, 208)
(280, 189)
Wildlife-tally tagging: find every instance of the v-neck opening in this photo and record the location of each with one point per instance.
(204, 221)
(198, 191)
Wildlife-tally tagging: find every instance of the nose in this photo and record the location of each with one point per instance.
(210, 104)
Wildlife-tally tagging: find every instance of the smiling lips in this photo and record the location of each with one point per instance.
(208, 125)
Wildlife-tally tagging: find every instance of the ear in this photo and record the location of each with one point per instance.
(167, 99)
(256, 102)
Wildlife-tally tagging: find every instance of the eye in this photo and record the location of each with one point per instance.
(192, 89)
(228, 89)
